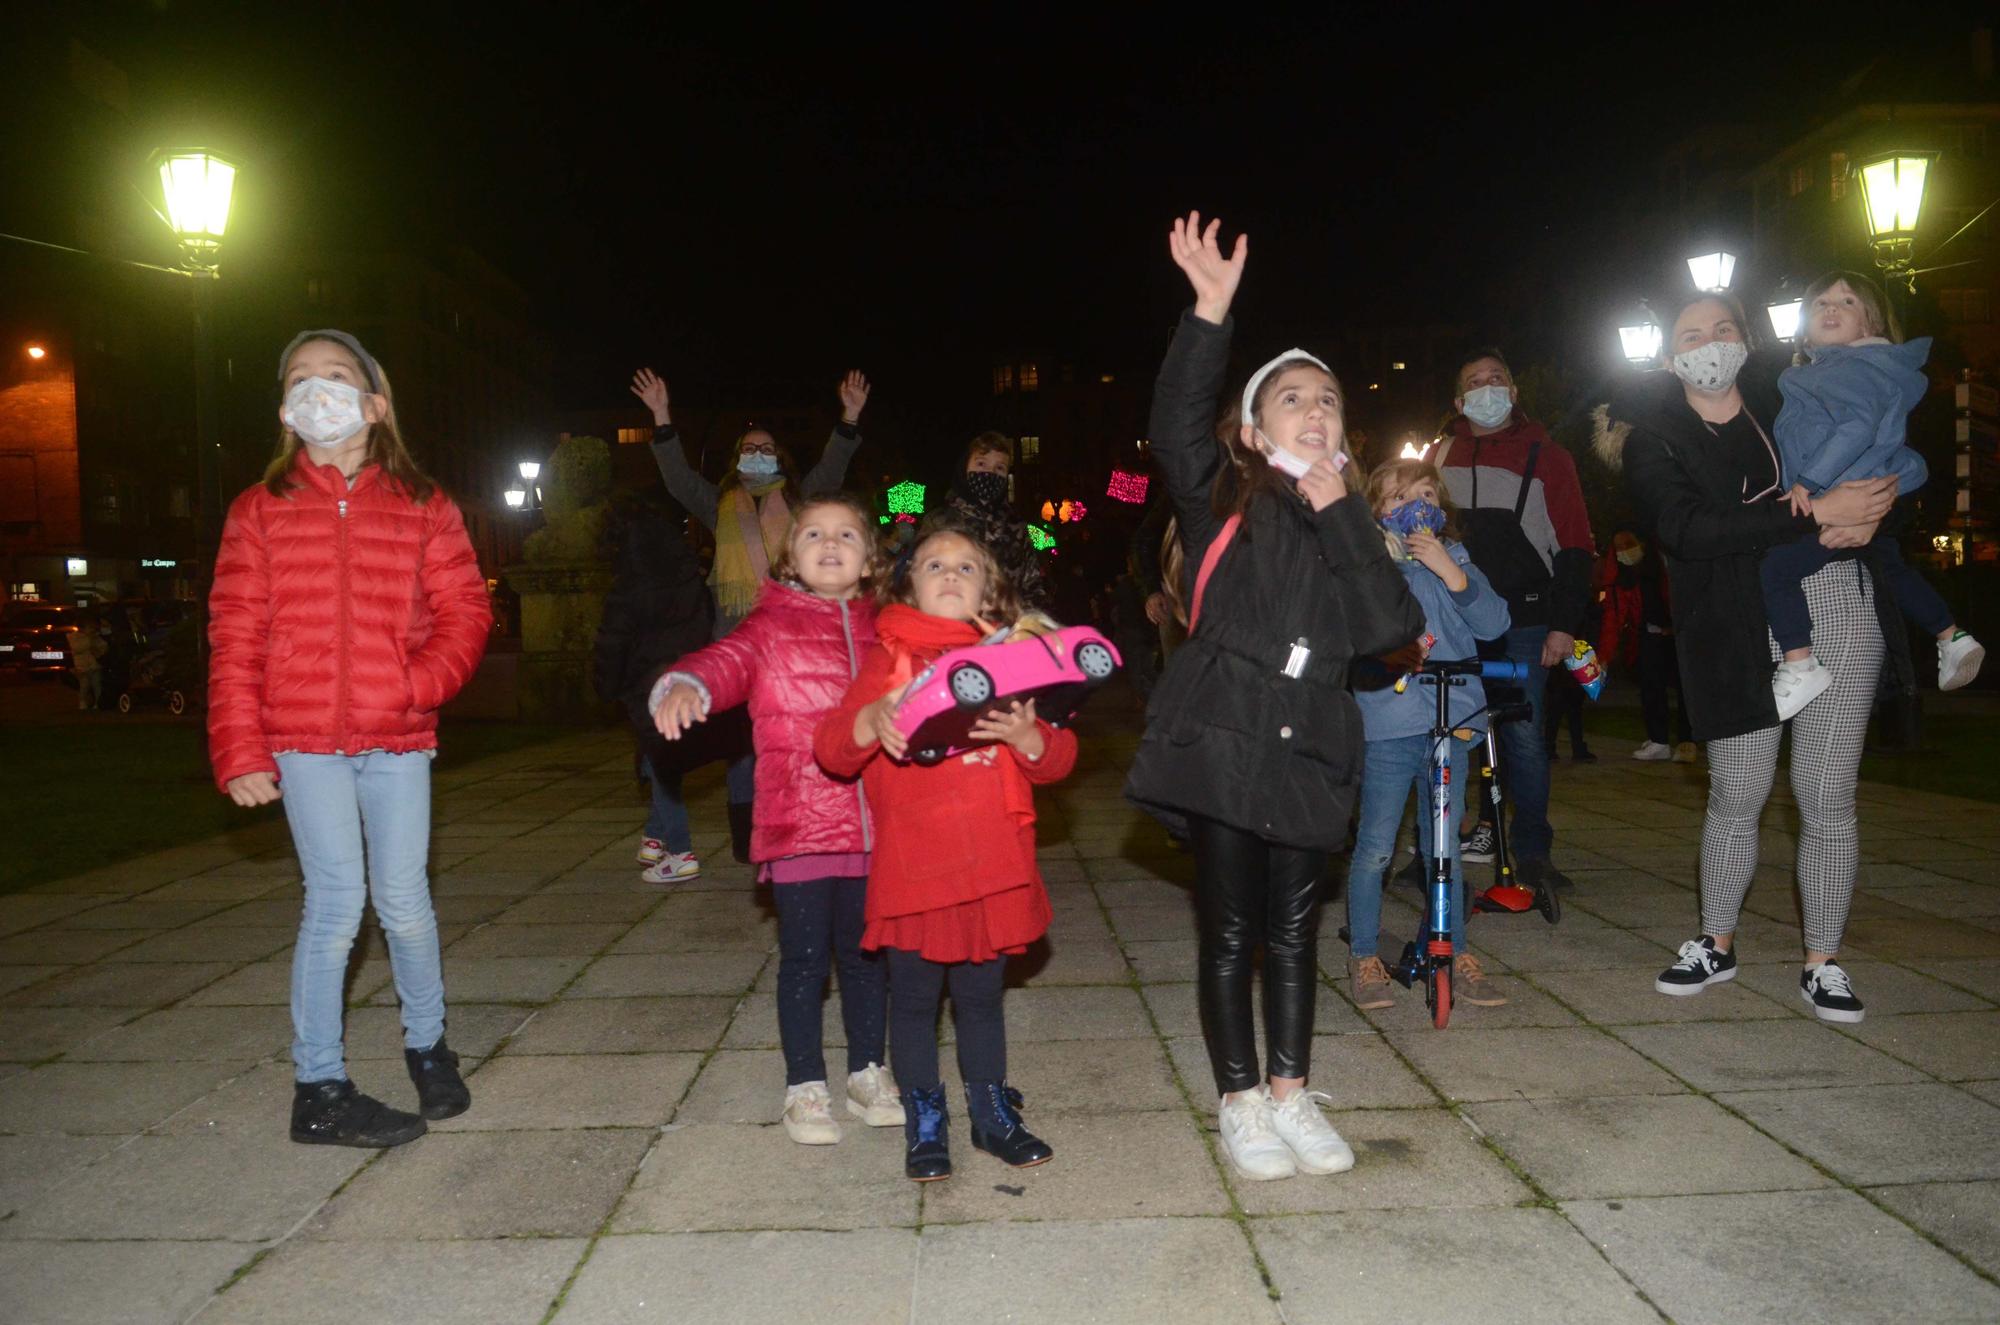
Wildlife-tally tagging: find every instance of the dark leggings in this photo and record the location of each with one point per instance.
(1248, 890)
(916, 988)
(820, 922)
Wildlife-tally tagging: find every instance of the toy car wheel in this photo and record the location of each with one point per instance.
(176, 703)
(928, 756)
(1095, 661)
(125, 701)
(970, 685)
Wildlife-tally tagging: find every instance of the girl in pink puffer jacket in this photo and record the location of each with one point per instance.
(792, 660)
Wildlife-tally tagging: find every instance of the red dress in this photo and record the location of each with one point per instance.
(953, 876)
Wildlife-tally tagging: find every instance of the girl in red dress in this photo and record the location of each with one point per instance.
(953, 888)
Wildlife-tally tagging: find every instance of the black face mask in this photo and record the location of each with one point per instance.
(982, 489)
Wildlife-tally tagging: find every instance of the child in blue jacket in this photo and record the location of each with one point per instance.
(1460, 608)
(1843, 420)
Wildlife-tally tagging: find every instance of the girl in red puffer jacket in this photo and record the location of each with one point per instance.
(791, 660)
(955, 889)
(347, 607)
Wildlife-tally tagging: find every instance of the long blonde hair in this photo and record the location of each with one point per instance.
(385, 447)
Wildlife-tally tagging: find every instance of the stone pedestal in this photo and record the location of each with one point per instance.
(560, 608)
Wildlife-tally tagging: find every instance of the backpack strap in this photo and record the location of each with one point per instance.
(1208, 560)
(1527, 477)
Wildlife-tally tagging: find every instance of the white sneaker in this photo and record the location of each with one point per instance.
(809, 1114)
(651, 850)
(1653, 750)
(1248, 1139)
(873, 1097)
(1958, 660)
(1797, 684)
(1310, 1137)
(674, 867)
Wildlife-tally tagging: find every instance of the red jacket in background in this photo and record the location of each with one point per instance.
(791, 660)
(954, 837)
(342, 616)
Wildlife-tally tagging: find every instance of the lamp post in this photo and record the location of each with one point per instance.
(1712, 272)
(1640, 337)
(1892, 199)
(198, 187)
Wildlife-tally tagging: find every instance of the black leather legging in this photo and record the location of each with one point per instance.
(1248, 890)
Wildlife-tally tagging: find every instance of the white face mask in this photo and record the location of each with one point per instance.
(1291, 466)
(757, 464)
(1489, 406)
(323, 413)
(1711, 367)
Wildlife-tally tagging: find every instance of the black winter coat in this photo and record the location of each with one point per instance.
(1712, 543)
(658, 610)
(1228, 736)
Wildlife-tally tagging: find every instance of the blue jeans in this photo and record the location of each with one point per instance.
(668, 821)
(345, 809)
(1393, 768)
(1524, 759)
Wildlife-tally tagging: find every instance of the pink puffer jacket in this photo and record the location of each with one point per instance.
(792, 659)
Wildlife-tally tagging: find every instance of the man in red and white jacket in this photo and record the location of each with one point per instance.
(1521, 510)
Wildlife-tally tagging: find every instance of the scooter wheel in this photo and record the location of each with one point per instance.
(1548, 903)
(1441, 996)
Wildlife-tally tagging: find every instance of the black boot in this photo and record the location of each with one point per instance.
(926, 1134)
(739, 831)
(334, 1113)
(441, 1091)
(995, 1110)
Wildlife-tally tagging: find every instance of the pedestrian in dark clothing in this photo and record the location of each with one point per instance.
(1637, 633)
(658, 610)
(1253, 744)
(1133, 633)
(980, 502)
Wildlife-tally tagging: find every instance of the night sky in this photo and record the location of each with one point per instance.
(919, 194)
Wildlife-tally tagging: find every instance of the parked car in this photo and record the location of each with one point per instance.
(34, 637)
(1057, 670)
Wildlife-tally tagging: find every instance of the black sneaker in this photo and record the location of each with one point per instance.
(1477, 846)
(334, 1113)
(1826, 987)
(1702, 964)
(441, 1091)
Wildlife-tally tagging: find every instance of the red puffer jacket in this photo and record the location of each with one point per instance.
(792, 659)
(343, 615)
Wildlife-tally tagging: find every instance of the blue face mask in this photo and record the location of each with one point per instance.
(1415, 516)
(757, 464)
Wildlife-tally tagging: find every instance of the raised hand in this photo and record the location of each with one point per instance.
(1014, 725)
(1213, 276)
(650, 388)
(853, 396)
(679, 711)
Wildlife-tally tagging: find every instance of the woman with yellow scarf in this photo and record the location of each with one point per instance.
(749, 512)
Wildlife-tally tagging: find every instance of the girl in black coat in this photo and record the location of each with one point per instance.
(1696, 445)
(1253, 745)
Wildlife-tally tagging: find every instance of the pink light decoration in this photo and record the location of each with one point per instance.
(1128, 487)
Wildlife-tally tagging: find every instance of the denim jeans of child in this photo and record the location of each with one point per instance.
(668, 821)
(1394, 769)
(361, 825)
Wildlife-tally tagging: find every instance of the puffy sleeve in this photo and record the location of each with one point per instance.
(239, 632)
(461, 613)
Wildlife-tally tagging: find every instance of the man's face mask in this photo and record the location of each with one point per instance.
(1489, 406)
(323, 413)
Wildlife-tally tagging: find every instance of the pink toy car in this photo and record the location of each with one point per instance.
(1058, 671)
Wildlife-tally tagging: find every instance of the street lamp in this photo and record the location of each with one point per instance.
(530, 470)
(198, 186)
(1712, 272)
(1786, 308)
(37, 353)
(1640, 337)
(1892, 198)
(516, 498)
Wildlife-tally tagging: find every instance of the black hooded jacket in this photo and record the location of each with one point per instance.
(1690, 496)
(658, 608)
(1230, 736)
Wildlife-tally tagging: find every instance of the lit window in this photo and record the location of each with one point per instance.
(1031, 377)
(1398, 366)
(1003, 378)
(1798, 179)
(1031, 450)
(1106, 377)
(634, 436)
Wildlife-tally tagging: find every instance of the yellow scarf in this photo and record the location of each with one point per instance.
(749, 535)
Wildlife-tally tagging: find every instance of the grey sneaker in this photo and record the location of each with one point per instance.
(1371, 983)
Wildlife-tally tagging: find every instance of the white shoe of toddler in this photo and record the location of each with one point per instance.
(1797, 684)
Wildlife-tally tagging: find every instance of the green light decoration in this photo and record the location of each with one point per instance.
(906, 498)
(1041, 538)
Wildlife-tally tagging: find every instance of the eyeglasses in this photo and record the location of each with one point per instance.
(754, 448)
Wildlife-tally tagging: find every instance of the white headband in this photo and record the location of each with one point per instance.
(1257, 379)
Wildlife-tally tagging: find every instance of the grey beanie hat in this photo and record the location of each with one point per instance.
(363, 357)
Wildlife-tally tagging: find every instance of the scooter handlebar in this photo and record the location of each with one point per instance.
(1500, 669)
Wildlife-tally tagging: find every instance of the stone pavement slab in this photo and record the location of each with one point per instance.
(1107, 1166)
(1878, 1134)
(450, 1283)
(134, 1283)
(1964, 1216)
(1763, 1055)
(734, 1176)
(1781, 1256)
(1499, 1266)
(863, 1277)
(1469, 1064)
(1403, 1158)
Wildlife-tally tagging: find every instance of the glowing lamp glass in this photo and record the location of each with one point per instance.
(530, 469)
(1712, 272)
(516, 498)
(1892, 195)
(1640, 342)
(198, 187)
(76, 566)
(1785, 315)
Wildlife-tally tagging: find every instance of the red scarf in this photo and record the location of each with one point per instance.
(914, 638)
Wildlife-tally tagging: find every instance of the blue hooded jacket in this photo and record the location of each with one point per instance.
(1844, 413)
(1459, 620)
